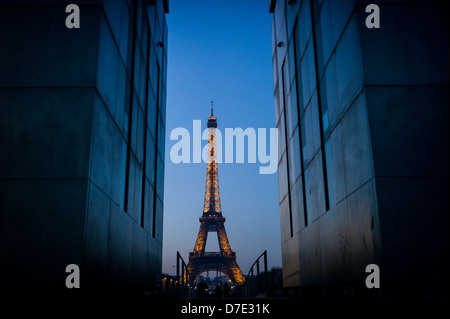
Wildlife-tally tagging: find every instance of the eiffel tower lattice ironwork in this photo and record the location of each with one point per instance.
(213, 221)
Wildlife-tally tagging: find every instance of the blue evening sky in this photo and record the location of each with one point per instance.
(221, 51)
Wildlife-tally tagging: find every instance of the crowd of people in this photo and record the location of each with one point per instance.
(221, 290)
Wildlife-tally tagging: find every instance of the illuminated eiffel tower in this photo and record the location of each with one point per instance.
(212, 221)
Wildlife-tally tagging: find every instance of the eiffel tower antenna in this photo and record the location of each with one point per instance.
(212, 108)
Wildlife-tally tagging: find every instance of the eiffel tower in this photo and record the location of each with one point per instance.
(212, 221)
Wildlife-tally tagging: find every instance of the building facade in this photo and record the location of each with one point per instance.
(362, 115)
(82, 133)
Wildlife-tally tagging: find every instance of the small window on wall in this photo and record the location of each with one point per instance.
(163, 103)
(297, 204)
(127, 107)
(160, 177)
(291, 60)
(307, 197)
(277, 104)
(281, 135)
(283, 182)
(303, 138)
(123, 174)
(298, 53)
(324, 111)
(331, 182)
(152, 111)
(285, 72)
(325, 122)
(161, 137)
(150, 159)
(294, 158)
(292, 111)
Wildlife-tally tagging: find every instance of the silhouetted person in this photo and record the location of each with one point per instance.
(201, 288)
(218, 290)
(226, 290)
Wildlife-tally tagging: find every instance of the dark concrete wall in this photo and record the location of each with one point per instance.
(406, 75)
(47, 80)
(72, 117)
(368, 111)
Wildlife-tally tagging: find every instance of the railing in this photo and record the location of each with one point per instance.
(259, 284)
(184, 285)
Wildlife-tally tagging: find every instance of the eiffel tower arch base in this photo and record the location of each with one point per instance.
(215, 262)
